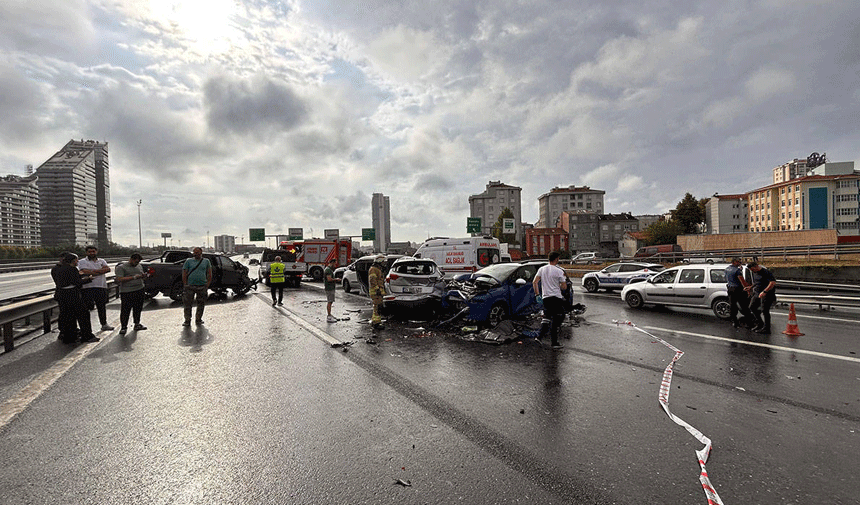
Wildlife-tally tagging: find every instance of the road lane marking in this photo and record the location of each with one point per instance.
(18, 402)
(745, 342)
(296, 318)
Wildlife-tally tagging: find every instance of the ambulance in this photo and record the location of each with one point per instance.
(456, 256)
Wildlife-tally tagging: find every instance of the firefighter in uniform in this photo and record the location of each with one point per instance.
(277, 278)
(377, 290)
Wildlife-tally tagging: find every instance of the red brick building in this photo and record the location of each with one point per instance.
(542, 241)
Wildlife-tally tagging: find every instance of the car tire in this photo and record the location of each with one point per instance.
(176, 290)
(634, 299)
(498, 313)
(709, 261)
(346, 286)
(317, 274)
(590, 285)
(722, 308)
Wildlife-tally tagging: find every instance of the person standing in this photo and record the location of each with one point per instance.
(277, 278)
(738, 297)
(330, 282)
(548, 284)
(377, 290)
(130, 276)
(73, 313)
(95, 293)
(763, 296)
(196, 277)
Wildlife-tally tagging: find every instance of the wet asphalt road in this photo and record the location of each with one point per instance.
(256, 407)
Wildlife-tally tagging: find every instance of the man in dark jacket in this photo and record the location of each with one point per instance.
(73, 312)
(763, 296)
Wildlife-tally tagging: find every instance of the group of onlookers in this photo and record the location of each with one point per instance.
(81, 286)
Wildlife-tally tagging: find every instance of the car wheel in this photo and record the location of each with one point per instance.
(317, 274)
(709, 261)
(634, 299)
(722, 308)
(498, 313)
(176, 290)
(591, 285)
(346, 287)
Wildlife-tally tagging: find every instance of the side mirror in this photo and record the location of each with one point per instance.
(520, 282)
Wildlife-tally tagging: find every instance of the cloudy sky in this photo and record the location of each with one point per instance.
(223, 115)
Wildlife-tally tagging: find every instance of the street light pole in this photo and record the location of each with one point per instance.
(139, 229)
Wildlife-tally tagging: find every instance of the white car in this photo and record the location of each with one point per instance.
(586, 258)
(349, 281)
(617, 275)
(701, 286)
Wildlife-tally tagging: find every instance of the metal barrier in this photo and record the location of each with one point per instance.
(44, 305)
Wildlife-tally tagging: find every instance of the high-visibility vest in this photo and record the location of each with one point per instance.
(276, 273)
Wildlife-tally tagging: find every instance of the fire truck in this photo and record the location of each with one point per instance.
(316, 252)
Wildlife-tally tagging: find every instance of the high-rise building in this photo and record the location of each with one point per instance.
(225, 243)
(496, 198)
(572, 198)
(19, 211)
(381, 222)
(74, 195)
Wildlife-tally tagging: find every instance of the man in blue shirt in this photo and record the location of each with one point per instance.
(738, 298)
(196, 277)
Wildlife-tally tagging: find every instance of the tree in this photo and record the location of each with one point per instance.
(689, 214)
(505, 238)
(662, 232)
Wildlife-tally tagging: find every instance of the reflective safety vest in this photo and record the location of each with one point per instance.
(276, 273)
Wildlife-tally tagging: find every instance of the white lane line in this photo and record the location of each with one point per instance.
(296, 318)
(745, 342)
(22, 399)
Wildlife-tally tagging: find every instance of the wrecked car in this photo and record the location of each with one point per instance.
(415, 284)
(495, 293)
(499, 292)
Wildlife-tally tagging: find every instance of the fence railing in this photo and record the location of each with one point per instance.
(42, 306)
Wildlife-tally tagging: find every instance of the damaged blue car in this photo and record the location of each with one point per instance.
(495, 293)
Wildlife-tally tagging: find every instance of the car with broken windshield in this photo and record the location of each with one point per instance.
(495, 293)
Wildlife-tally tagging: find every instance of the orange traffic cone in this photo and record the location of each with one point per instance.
(791, 328)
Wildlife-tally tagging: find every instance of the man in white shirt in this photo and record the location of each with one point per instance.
(95, 292)
(548, 285)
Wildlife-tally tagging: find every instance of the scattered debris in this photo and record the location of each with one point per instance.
(404, 483)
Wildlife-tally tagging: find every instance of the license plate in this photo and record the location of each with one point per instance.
(413, 291)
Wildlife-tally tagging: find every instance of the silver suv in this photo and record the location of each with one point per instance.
(413, 283)
(700, 286)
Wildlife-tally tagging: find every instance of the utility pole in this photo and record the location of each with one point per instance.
(139, 229)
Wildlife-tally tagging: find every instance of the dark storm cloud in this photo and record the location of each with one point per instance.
(247, 106)
(21, 104)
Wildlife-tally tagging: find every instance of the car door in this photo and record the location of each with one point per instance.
(226, 272)
(522, 296)
(610, 277)
(690, 286)
(661, 287)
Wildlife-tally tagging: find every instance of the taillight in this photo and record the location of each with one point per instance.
(392, 276)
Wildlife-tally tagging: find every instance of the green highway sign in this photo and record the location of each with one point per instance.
(257, 234)
(473, 225)
(295, 234)
(508, 225)
(368, 234)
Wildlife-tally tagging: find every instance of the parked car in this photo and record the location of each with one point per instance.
(349, 278)
(617, 275)
(702, 286)
(338, 272)
(586, 258)
(413, 283)
(665, 252)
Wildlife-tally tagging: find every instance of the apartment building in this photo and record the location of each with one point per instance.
(495, 198)
(727, 214)
(19, 211)
(571, 198)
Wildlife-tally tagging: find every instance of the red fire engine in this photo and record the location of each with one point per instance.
(316, 252)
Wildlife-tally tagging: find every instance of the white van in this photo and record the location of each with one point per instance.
(460, 255)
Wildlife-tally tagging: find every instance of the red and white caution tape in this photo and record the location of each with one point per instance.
(663, 398)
